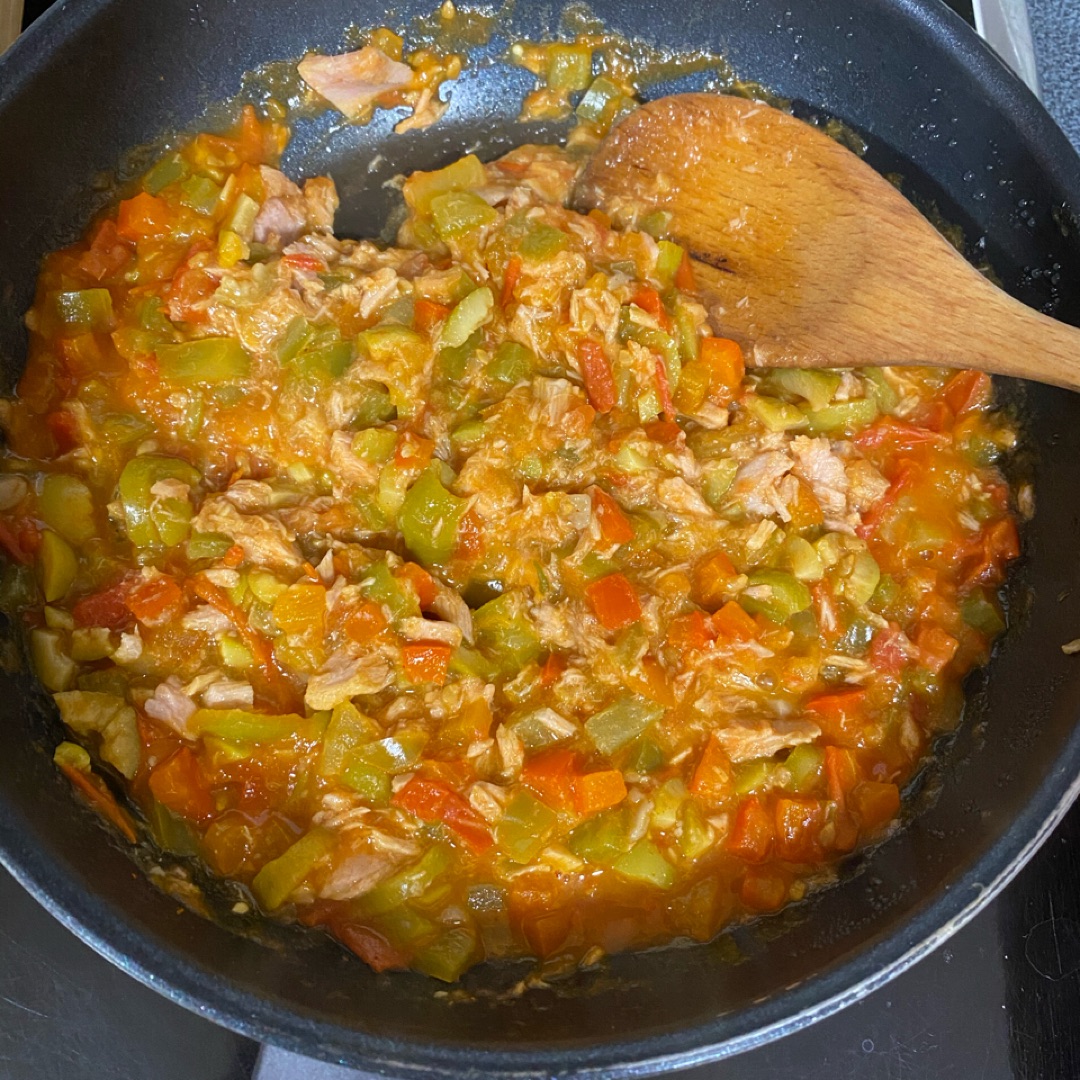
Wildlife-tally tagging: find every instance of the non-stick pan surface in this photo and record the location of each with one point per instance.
(97, 78)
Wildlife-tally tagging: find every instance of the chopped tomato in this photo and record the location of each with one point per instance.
(156, 600)
(798, 825)
(876, 803)
(967, 390)
(372, 947)
(107, 608)
(178, 783)
(841, 772)
(753, 833)
(428, 316)
(841, 716)
(551, 775)
(432, 800)
(143, 217)
(763, 891)
(712, 776)
(733, 623)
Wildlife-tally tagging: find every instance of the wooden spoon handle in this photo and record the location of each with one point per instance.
(11, 14)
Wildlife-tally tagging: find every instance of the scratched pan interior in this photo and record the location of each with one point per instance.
(98, 77)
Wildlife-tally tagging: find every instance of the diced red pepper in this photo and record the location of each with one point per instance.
(304, 262)
(875, 803)
(551, 775)
(798, 824)
(422, 582)
(840, 716)
(648, 299)
(426, 661)
(712, 775)
(428, 316)
(156, 600)
(143, 217)
(615, 602)
(734, 623)
(841, 772)
(723, 359)
(510, 280)
(684, 276)
(754, 832)
(596, 371)
(615, 527)
(936, 647)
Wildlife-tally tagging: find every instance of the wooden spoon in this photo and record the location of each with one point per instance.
(807, 256)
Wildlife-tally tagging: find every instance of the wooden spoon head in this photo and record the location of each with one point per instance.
(807, 256)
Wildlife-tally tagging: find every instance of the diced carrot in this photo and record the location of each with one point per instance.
(422, 582)
(840, 715)
(712, 775)
(936, 647)
(510, 280)
(234, 557)
(413, 451)
(428, 316)
(596, 371)
(667, 406)
(967, 390)
(648, 299)
(278, 683)
(598, 791)
(426, 661)
(551, 775)
(841, 773)
(734, 624)
(470, 535)
(754, 833)
(875, 803)
(553, 667)
(178, 783)
(690, 631)
(143, 217)
(684, 276)
(615, 526)
(431, 800)
(106, 608)
(365, 623)
(723, 359)
(798, 823)
(372, 947)
(305, 263)
(615, 602)
(763, 891)
(102, 800)
(712, 577)
(156, 600)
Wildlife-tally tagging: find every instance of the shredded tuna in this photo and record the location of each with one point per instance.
(171, 706)
(745, 740)
(823, 470)
(345, 677)
(755, 484)
(352, 81)
(265, 541)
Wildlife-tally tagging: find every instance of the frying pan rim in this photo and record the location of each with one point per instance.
(164, 969)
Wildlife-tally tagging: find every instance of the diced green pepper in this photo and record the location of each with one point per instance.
(805, 764)
(569, 67)
(695, 836)
(54, 667)
(84, 310)
(374, 405)
(153, 520)
(72, 756)
(380, 585)
(201, 194)
(775, 415)
(844, 418)
(242, 219)
(504, 630)
(395, 754)
(543, 242)
(523, 829)
(239, 725)
(110, 719)
(375, 444)
(280, 877)
(208, 546)
(67, 505)
(600, 101)
(981, 613)
(211, 360)
(668, 260)
(57, 566)
(429, 519)
(814, 386)
(165, 172)
(408, 884)
(862, 581)
(881, 389)
(668, 802)
(511, 363)
(348, 729)
(804, 560)
(644, 862)
(422, 188)
(716, 480)
(467, 317)
(621, 722)
(460, 212)
(448, 956)
(782, 595)
(601, 839)
(646, 758)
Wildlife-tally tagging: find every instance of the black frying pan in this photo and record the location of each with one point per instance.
(97, 78)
